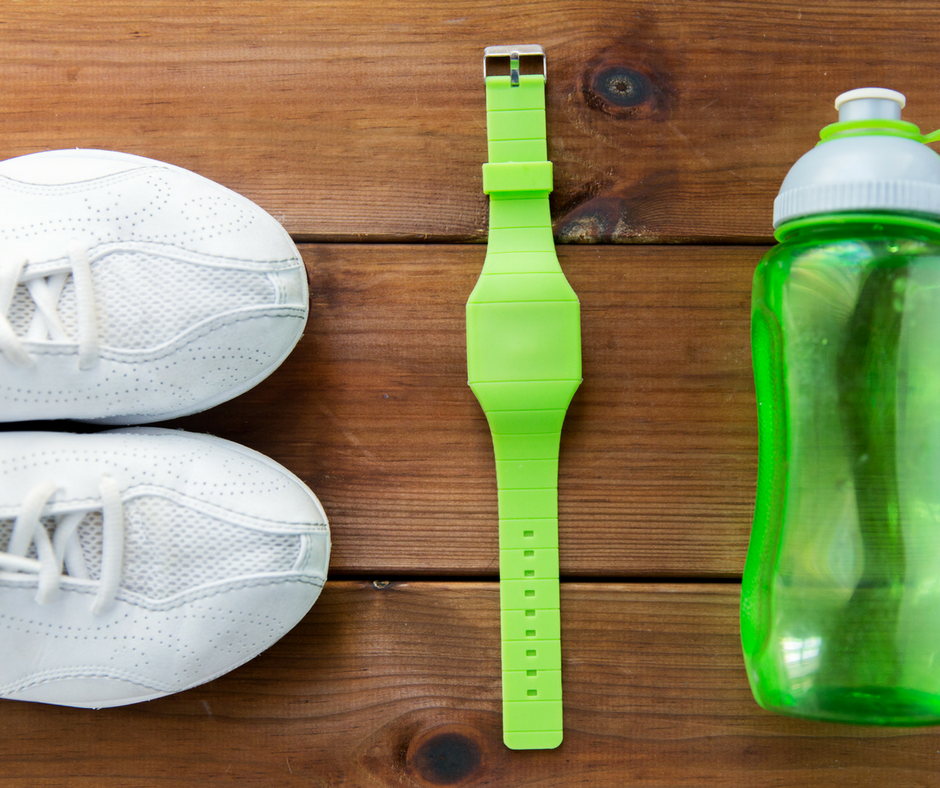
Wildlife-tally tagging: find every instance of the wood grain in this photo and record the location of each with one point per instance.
(363, 123)
(357, 121)
(659, 448)
(400, 687)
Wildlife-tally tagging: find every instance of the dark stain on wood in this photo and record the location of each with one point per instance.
(565, 201)
(445, 755)
(591, 222)
(621, 213)
(620, 96)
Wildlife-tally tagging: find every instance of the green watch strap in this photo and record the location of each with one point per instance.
(524, 365)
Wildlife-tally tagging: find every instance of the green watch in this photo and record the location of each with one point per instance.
(524, 365)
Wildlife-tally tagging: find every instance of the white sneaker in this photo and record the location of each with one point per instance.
(133, 291)
(137, 563)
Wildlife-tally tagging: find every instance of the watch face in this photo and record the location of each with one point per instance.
(524, 341)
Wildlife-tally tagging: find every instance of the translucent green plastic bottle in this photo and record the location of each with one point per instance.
(840, 608)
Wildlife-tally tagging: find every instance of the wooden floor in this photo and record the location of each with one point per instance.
(361, 127)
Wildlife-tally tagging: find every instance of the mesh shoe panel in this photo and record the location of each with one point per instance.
(170, 548)
(21, 310)
(142, 300)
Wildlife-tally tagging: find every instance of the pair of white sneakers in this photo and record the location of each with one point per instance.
(139, 562)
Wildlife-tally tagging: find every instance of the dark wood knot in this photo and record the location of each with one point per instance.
(621, 86)
(626, 91)
(445, 755)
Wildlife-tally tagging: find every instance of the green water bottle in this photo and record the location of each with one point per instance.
(840, 606)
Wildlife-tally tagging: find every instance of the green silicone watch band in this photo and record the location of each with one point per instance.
(524, 365)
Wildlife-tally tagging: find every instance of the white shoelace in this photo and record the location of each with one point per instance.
(45, 290)
(64, 548)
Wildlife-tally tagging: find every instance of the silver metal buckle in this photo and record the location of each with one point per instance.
(515, 53)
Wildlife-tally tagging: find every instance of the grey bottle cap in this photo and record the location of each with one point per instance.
(865, 173)
(870, 104)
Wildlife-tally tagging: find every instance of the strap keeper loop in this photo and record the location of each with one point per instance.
(517, 176)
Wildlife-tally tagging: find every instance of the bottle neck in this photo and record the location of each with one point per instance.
(841, 225)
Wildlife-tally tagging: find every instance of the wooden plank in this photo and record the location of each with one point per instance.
(360, 121)
(659, 449)
(400, 687)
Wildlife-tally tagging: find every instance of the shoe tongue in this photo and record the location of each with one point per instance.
(89, 539)
(6, 531)
(23, 309)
